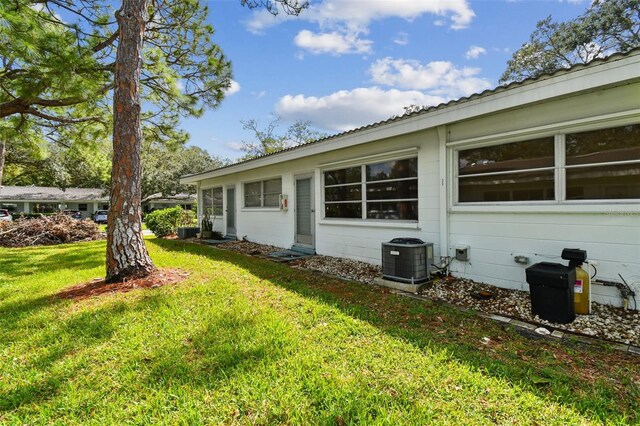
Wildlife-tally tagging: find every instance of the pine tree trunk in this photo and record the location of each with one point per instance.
(127, 255)
(2, 155)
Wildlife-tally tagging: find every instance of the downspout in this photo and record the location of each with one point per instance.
(199, 203)
(443, 196)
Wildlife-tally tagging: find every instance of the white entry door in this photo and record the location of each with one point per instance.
(305, 211)
(231, 212)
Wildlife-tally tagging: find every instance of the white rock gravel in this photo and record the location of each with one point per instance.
(605, 321)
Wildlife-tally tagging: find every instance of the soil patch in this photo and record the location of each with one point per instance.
(97, 287)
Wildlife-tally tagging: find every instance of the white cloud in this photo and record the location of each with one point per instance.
(401, 38)
(234, 87)
(474, 52)
(348, 109)
(359, 14)
(348, 19)
(235, 146)
(439, 78)
(333, 43)
(261, 20)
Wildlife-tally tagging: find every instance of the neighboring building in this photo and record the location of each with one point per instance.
(40, 199)
(158, 201)
(522, 170)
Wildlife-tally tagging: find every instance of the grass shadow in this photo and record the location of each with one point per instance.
(30, 260)
(47, 367)
(548, 369)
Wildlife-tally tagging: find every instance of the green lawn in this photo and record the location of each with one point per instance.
(248, 341)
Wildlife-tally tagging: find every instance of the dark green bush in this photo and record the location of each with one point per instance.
(166, 222)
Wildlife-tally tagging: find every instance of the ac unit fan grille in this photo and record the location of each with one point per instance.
(407, 262)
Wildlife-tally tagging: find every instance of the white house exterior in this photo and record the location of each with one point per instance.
(159, 201)
(523, 170)
(46, 199)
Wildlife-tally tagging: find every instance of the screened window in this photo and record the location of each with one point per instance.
(518, 171)
(212, 201)
(603, 164)
(387, 190)
(265, 193)
(11, 207)
(45, 208)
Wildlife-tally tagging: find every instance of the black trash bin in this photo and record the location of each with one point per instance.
(551, 289)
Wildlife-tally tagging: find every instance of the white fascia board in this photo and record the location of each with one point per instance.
(586, 79)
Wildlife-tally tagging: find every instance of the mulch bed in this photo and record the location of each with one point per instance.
(97, 287)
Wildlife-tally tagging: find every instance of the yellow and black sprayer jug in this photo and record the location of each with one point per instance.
(582, 287)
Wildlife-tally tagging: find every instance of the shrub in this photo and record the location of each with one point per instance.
(166, 222)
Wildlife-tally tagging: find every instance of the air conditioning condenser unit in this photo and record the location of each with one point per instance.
(407, 260)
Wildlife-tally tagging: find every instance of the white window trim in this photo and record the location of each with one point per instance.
(262, 207)
(371, 223)
(560, 204)
(200, 200)
(362, 162)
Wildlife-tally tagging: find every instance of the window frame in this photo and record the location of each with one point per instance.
(262, 194)
(213, 212)
(560, 167)
(565, 167)
(363, 190)
(554, 168)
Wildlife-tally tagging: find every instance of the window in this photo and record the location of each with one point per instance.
(387, 190)
(45, 208)
(264, 193)
(11, 207)
(603, 164)
(519, 171)
(212, 201)
(83, 207)
(600, 164)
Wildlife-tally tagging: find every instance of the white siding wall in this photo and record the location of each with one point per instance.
(356, 239)
(495, 238)
(609, 232)
(362, 240)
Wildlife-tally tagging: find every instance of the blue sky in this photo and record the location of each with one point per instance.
(346, 63)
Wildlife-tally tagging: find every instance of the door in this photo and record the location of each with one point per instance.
(231, 212)
(305, 213)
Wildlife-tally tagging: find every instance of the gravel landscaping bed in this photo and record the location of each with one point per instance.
(605, 322)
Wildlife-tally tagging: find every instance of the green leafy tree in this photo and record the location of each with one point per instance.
(606, 27)
(55, 165)
(268, 141)
(63, 62)
(58, 63)
(163, 166)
